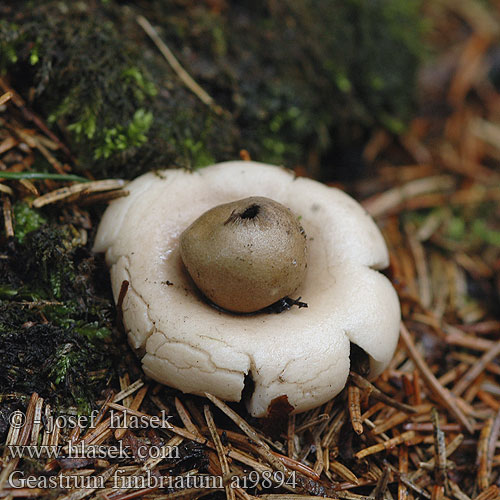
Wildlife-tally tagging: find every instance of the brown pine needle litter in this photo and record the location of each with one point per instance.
(428, 427)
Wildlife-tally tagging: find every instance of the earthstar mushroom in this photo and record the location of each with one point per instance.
(186, 343)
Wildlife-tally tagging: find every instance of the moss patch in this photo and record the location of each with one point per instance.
(299, 81)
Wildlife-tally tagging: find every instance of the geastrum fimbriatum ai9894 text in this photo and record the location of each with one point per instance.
(180, 232)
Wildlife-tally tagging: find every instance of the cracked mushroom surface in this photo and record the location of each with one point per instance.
(186, 343)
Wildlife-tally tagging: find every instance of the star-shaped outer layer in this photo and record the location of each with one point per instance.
(300, 353)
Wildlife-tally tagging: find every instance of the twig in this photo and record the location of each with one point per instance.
(250, 432)
(320, 460)
(37, 422)
(492, 493)
(29, 115)
(450, 449)
(93, 199)
(476, 370)
(85, 492)
(488, 399)
(7, 217)
(407, 482)
(312, 423)
(186, 418)
(32, 141)
(493, 437)
(68, 193)
(176, 66)
(393, 421)
(484, 468)
(432, 382)
(21, 438)
(457, 492)
(128, 391)
(124, 384)
(355, 408)
(456, 337)
(8, 144)
(403, 470)
(290, 497)
(389, 200)
(221, 452)
(342, 471)
(134, 405)
(424, 285)
(437, 492)
(298, 466)
(439, 450)
(290, 436)
(362, 383)
(380, 489)
(391, 443)
(6, 189)
(4, 98)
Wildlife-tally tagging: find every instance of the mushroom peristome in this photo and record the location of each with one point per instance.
(302, 354)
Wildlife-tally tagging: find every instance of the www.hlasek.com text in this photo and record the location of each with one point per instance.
(94, 451)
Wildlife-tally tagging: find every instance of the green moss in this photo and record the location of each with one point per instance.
(26, 219)
(297, 79)
(55, 316)
(10, 41)
(195, 153)
(485, 233)
(48, 260)
(43, 357)
(7, 292)
(93, 331)
(86, 80)
(456, 228)
(120, 138)
(302, 77)
(470, 226)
